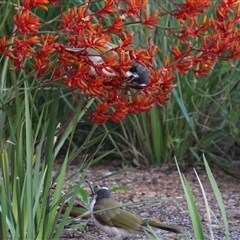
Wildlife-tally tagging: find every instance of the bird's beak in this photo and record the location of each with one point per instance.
(90, 184)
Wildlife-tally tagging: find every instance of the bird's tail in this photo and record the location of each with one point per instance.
(162, 226)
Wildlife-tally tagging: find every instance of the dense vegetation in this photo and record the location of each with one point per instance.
(49, 100)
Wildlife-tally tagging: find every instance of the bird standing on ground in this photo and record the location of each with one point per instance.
(119, 222)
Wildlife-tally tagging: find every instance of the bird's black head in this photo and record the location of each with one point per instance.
(138, 75)
(101, 192)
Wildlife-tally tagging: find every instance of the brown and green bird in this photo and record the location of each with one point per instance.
(119, 222)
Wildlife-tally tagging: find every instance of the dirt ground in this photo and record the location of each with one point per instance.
(161, 182)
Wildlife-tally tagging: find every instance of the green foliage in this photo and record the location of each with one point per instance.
(202, 115)
(30, 205)
(218, 198)
(196, 221)
(194, 210)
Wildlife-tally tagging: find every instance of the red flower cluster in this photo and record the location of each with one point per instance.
(216, 38)
(85, 58)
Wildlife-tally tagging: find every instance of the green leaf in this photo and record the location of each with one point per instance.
(218, 197)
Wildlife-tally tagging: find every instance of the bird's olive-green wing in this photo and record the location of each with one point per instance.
(118, 217)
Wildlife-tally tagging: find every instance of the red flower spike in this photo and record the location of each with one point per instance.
(136, 5)
(22, 46)
(141, 103)
(26, 22)
(190, 9)
(76, 19)
(222, 14)
(177, 53)
(42, 56)
(86, 37)
(133, 8)
(116, 27)
(152, 20)
(3, 45)
(126, 40)
(107, 9)
(28, 4)
(21, 49)
(120, 112)
(100, 116)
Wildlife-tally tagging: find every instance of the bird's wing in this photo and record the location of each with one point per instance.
(118, 217)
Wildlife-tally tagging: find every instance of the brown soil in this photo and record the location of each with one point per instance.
(161, 182)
